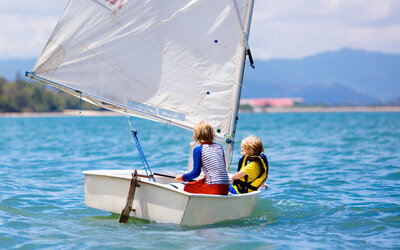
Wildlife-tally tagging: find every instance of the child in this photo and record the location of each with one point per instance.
(252, 169)
(209, 157)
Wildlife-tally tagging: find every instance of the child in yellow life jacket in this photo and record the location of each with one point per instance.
(252, 168)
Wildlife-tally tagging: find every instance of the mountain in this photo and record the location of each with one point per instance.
(343, 77)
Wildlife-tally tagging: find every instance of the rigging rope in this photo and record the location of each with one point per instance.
(141, 153)
(80, 102)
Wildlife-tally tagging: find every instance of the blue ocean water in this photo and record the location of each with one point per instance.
(334, 182)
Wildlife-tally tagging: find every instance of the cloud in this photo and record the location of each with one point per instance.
(33, 8)
(297, 28)
(26, 26)
(24, 36)
(280, 29)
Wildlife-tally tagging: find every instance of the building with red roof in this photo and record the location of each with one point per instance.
(272, 102)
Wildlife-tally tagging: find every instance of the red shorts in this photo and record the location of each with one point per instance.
(201, 187)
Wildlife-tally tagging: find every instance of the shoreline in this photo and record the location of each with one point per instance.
(72, 113)
(65, 113)
(360, 109)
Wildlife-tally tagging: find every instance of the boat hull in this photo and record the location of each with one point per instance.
(162, 202)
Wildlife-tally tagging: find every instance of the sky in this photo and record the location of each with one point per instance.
(280, 29)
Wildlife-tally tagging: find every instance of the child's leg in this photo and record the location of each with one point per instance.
(194, 187)
(200, 187)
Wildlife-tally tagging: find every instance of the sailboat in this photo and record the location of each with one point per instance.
(170, 61)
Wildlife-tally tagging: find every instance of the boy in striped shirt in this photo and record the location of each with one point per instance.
(208, 157)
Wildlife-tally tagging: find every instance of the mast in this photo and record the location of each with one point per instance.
(239, 78)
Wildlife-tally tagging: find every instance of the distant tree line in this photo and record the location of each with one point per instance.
(33, 96)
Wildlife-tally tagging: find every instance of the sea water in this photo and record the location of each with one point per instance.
(334, 182)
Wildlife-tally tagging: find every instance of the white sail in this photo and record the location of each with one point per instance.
(172, 61)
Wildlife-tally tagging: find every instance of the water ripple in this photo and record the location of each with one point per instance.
(334, 182)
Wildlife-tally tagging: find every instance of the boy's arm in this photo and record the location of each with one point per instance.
(247, 170)
(196, 165)
(238, 175)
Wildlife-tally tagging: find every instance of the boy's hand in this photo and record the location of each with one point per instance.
(179, 178)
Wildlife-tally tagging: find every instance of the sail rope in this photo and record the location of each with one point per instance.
(141, 153)
(245, 34)
(80, 102)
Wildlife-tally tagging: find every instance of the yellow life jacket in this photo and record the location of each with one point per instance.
(244, 185)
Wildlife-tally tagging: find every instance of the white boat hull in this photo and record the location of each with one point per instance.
(160, 201)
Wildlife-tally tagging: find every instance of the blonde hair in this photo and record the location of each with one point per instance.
(203, 132)
(252, 145)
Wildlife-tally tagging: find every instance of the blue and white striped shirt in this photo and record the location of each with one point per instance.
(211, 159)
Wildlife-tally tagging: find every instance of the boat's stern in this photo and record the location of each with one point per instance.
(108, 190)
